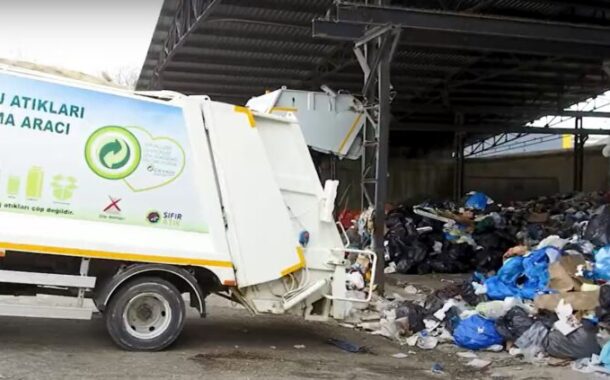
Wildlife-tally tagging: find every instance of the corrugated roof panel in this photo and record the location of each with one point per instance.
(246, 47)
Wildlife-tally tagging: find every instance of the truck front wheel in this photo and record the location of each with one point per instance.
(146, 314)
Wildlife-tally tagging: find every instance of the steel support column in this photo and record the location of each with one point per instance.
(579, 155)
(374, 49)
(458, 174)
(381, 172)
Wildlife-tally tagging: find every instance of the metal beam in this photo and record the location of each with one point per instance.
(509, 111)
(495, 141)
(335, 30)
(546, 100)
(493, 129)
(470, 32)
(345, 30)
(494, 26)
(582, 114)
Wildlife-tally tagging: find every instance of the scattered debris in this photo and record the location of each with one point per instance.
(479, 363)
(346, 346)
(400, 355)
(467, 355)
(437, 368)
(299, 346)
(537, 289)
(410, 289)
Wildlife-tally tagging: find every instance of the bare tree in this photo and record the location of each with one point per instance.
(126, 76)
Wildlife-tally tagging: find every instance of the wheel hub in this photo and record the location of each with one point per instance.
(147, 315)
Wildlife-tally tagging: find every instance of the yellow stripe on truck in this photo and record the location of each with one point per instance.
(283, 109)
(65, 251)
(248, 113)
(297, 266)
(349, 133)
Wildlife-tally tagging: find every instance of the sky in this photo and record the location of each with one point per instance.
(532, 143)
(87, 35)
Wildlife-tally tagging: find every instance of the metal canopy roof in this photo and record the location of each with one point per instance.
(232, 50)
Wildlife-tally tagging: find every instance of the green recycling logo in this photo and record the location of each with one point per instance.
(112, 152)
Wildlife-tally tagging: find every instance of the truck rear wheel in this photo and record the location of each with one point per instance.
(146, 314)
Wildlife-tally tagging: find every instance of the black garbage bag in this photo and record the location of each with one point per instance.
(603, 310)
(397, 243)
(452, 319)
(485, 225)
(535, 232)
(436, 300)
(492, 247)
(604, 296)
(598, 229)
(467, 294)
(424, 267)
(514, 323)
(455, 258)
(582, 343)
(488, 260)
(414, 315)
(401, 233)
(449, 291)
(533, 338)
(444, 264)
(430, 238)
(547, 317)
(412, 254)
(432, 304)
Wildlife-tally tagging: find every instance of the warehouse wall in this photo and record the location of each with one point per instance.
(411, 180)
(503, 178)
(526, 176)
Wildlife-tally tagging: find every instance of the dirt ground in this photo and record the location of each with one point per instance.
(231, 344)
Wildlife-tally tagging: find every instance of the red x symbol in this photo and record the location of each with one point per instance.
(114, 204)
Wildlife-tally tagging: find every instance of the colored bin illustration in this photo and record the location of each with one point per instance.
(12, 186)
(33, 187)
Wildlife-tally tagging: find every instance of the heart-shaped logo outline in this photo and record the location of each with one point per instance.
(153, 138)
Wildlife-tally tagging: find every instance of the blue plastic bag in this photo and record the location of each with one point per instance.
(476, 333)
(521, 277)
(601, 270)
(604, 356)
(477, 201)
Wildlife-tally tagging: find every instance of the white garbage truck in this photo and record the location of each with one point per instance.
(140, 201)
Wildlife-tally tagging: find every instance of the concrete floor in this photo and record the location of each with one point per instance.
(231, 344)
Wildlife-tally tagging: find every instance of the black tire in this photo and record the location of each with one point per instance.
(163, 294)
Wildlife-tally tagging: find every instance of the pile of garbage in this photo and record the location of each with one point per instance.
(548, 298)
(444, 237)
